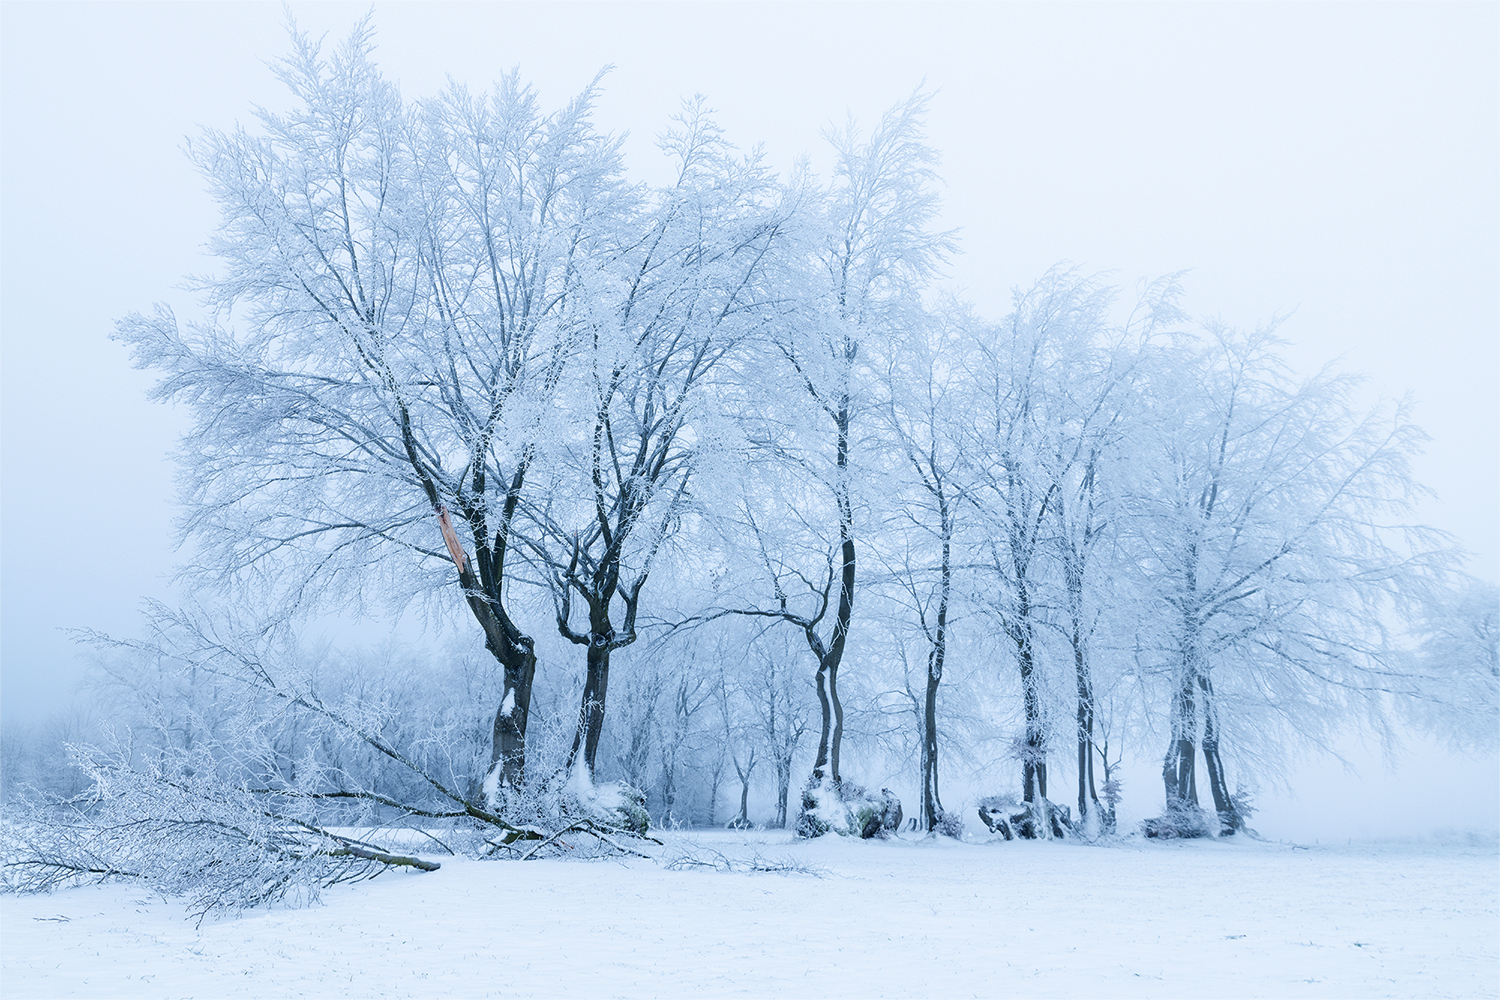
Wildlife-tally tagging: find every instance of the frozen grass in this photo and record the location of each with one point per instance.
(757, 914)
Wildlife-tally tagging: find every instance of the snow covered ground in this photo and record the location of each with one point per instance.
(903, 918)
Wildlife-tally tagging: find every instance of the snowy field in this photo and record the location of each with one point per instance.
(861, 919)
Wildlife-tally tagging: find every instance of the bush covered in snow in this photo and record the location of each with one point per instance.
(847, 809)
(1181, 820)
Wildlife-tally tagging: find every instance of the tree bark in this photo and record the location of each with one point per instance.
(1034, 760)
(838, 722)
(820, 763)
(1179, 768)
(932, 807)
(745, 774)
(1088, 798)
(591, 710)
(783, 789)
(1229, 819)
(509, 746)
(514, 650)
(394, 860)
(845, 612)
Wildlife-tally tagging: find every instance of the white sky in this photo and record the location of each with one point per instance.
(1337, 162)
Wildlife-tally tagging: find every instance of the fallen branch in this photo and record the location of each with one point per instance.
(570, 828)
(395, 860)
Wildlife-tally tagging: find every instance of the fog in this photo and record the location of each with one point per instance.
(1336, 165)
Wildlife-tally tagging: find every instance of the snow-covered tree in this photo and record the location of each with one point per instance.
(1029, 450)
(923, 420)
(686, 288)
(1267, 529)
(867, 259)
(400, 290)
(1456, 665)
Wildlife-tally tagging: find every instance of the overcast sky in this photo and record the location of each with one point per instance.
(1338, 164)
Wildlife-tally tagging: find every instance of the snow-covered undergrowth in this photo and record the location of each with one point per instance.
(761, 914)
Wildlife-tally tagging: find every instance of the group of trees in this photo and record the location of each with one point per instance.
(453, 354)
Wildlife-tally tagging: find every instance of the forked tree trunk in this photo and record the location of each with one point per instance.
(1229, 819)
(601, 640)
(1076, 551)
(831, 736)
(1180, 765)
(744, 775)
(783, 789)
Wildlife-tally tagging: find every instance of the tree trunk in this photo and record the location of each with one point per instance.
(783, 789)
(514, 650)
(1229, 819)
(838, 722)
(820, 765)
(829, 656)
(715, 779)
(1088, 798)
(1180, 766)
(591, 710)
(509, 743)
(835, 653)
(1034, 751)
(931, 808)
(833, 656)
(745, 773)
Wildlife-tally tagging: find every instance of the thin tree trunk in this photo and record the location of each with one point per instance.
(1088, 798)
(783, 789)
(820, 765)
(838, 723)
(932, 808)
(835, 651)
(713, 790)
(745, 774)
(841, 628)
